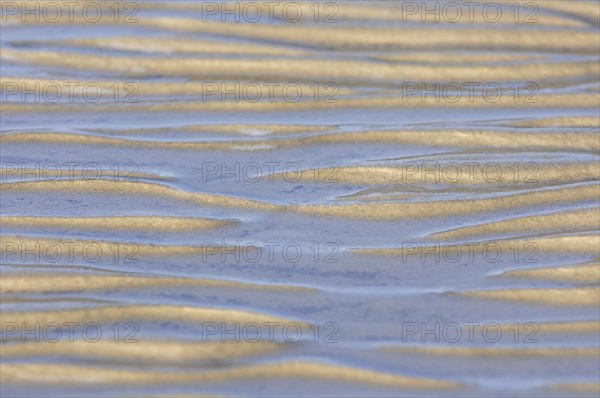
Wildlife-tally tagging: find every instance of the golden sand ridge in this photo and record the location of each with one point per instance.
(137, 188)
(327, 101)
(567, 121)
(311, 70)
(135, 312)
(66, 282)
(95, 249)
(544, 172)
(56, 173)
(447, 208)
(586, 274)
(365, 12)
(116, 223)
(353, 11)
(128, 92)
(563, 297)
(579, 141)
(570, 327)
(60, 374)
(347, 38)
(571, 220)
(152, 351)
(84, 139)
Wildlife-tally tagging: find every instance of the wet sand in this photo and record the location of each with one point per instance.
(397, 228)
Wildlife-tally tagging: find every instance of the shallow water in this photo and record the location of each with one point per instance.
(382, 245)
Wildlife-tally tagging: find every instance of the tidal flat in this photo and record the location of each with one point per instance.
(303, 199)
